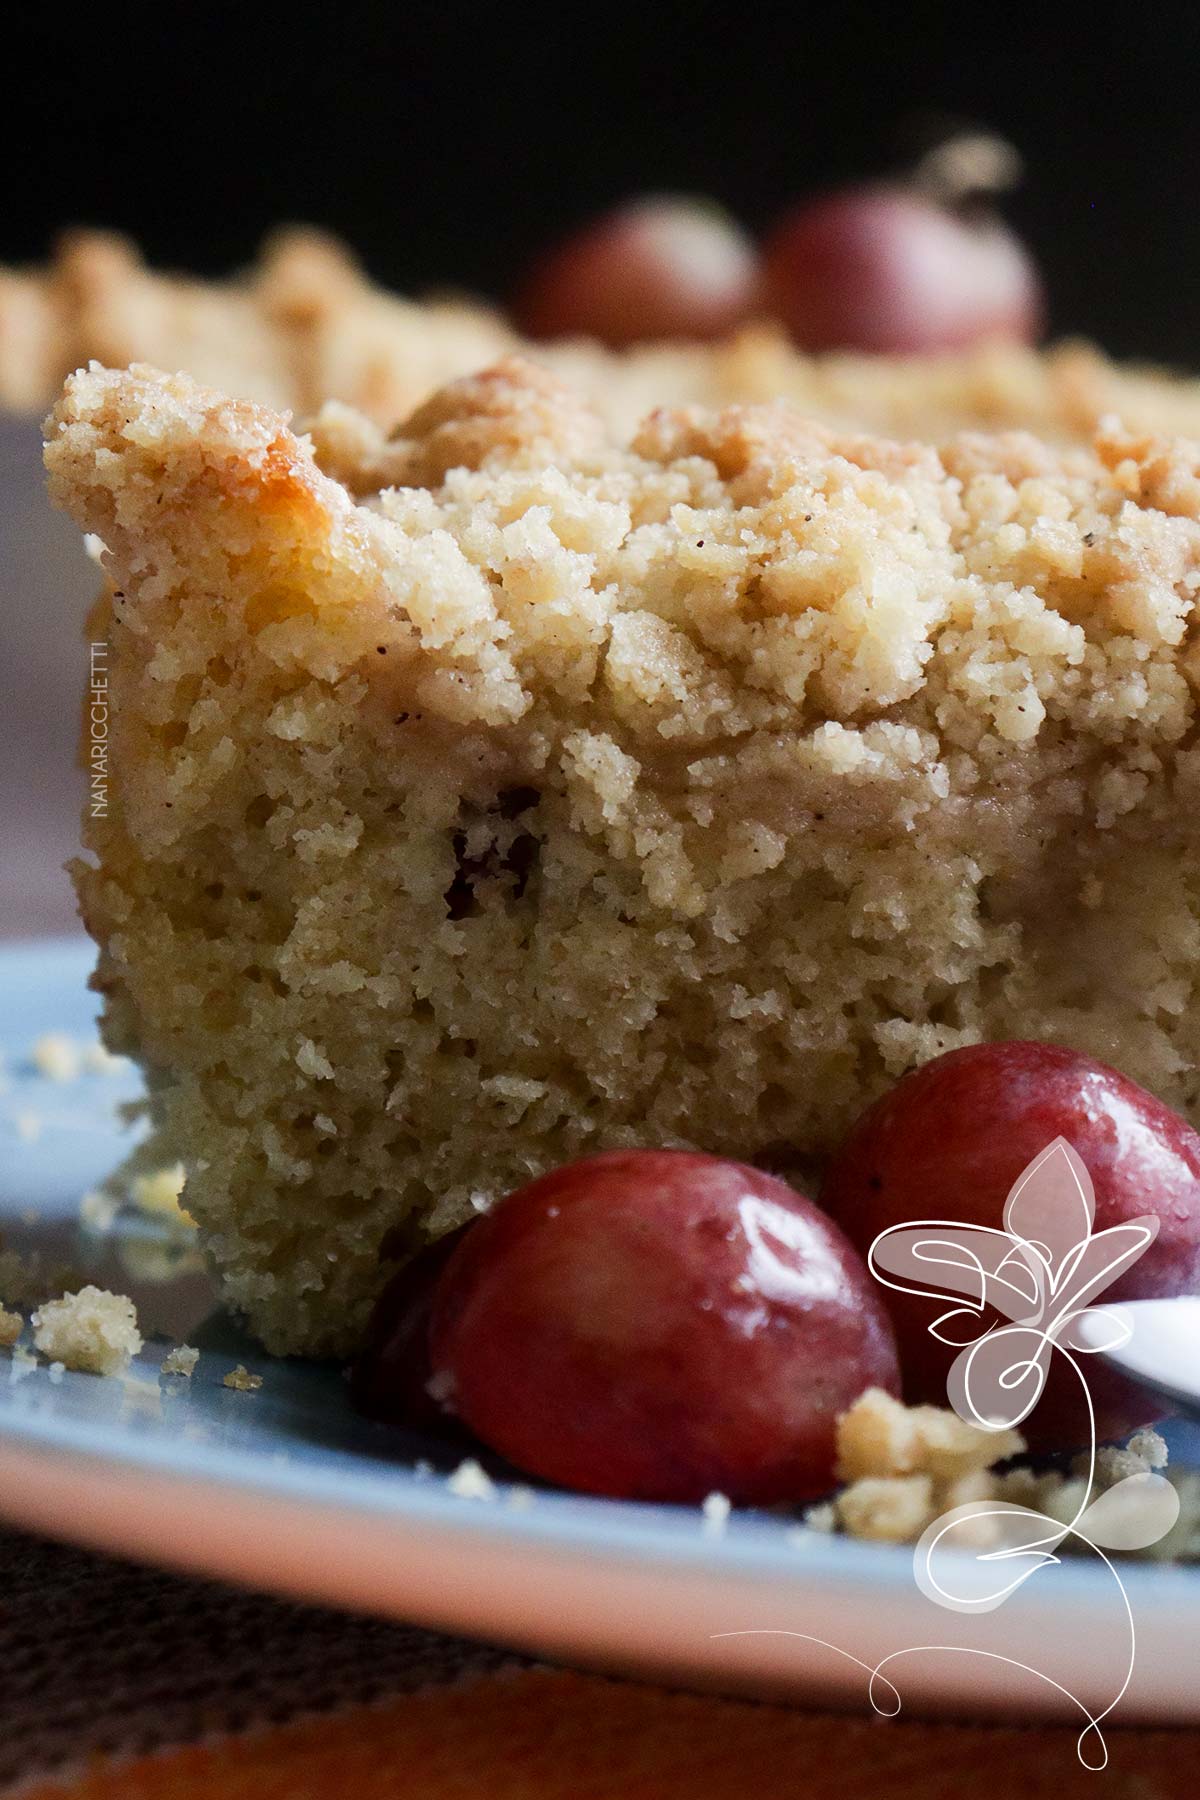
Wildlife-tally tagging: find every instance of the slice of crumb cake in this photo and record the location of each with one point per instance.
(518, 793)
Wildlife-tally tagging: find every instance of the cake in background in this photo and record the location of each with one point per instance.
(304, 326)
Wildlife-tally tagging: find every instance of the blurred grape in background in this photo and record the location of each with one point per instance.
(449, 142)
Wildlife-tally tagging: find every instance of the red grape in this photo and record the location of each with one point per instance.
(660, 1325)
(950, 1140)
(661, 267)
(881, 269)
(390, 1376)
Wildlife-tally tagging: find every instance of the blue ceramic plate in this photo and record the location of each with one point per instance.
(285, 1488)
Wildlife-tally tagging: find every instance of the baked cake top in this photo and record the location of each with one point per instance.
(304, 325)
(709, 620)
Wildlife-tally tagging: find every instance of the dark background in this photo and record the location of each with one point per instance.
(446, 141)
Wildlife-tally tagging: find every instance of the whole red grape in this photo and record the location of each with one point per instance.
(662, 267)
(660, 1325)
(883, 269)
(950, 1140)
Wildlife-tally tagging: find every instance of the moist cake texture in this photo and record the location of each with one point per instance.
(511, 788)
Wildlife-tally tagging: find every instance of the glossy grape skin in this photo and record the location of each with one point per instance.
(389, 1377)
(950, 1140)
(883, 269)
(661, 267)
(660, 1325)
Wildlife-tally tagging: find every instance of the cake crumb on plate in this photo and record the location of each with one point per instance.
(181, 1360)
(716, 1510)
(879, 1436)
(93, 1331)
(888, 1509)
(241, 1380)
(471, 1482)
(905, 1466)
(11, 1327)
(1146, 1450)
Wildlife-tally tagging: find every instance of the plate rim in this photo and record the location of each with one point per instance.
(589, 1540)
